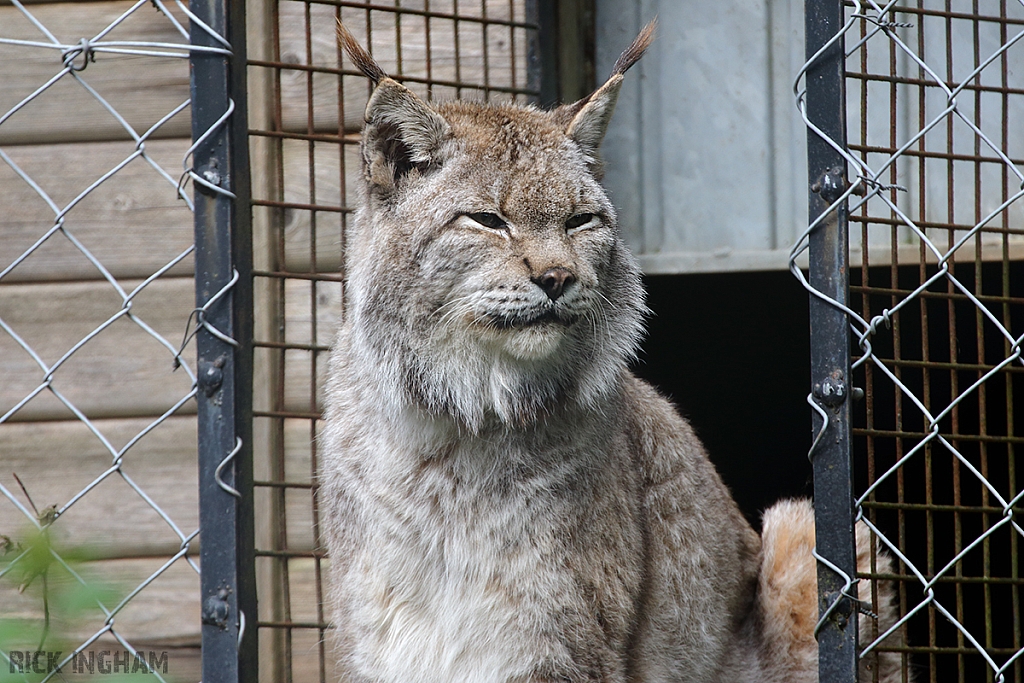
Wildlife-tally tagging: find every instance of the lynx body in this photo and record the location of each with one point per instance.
(504, 501)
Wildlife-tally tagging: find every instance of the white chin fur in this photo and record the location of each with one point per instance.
(531, 343)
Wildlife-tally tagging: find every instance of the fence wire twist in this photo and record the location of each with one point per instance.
(74, 62)
(884, 187)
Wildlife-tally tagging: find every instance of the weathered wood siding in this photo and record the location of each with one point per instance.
(706, 153)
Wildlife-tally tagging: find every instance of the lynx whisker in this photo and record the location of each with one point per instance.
(452, 310)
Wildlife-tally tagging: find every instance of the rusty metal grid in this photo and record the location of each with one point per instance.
(935, 158)
(312, 104)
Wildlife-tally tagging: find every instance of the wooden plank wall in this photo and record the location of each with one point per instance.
(122, 379)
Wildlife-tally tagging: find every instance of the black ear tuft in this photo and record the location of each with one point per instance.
(632, 54)
(586, 121)
(402, 133)
(360, 57)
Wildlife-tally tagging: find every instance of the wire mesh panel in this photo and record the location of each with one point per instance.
(98, 535)
(934, 180)
(306, 109)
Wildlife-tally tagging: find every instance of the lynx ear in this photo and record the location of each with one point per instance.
(586, 121)
(402, 133)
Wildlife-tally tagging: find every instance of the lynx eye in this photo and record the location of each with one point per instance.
(578, 221)
(488, 220)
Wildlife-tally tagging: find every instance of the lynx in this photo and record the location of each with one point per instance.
(504, 500)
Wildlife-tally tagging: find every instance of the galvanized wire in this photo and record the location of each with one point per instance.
(876, 189)
(75, 63)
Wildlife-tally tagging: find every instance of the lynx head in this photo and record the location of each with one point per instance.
(486, 277)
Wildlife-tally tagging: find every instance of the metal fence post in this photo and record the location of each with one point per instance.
(561, 52)
(830, 346)
(224, 343)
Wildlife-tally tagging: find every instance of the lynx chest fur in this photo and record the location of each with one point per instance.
(487, 559)
(503, 500)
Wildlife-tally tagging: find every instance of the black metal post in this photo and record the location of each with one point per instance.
(830, 345)
(223, 272)
(561, 52)
(542, 55)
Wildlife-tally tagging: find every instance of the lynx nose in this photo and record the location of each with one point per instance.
(554, 281)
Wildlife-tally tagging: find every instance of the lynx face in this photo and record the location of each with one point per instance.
(517, 262)
(485, 269)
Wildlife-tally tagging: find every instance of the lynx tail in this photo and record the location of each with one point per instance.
(632, 54)
(789, 598)
(359, 56)
(789, 591)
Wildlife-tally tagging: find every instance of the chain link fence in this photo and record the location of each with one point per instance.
(932, 192)
(99, 571)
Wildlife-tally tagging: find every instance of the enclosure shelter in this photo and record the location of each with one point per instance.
(176, 183)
